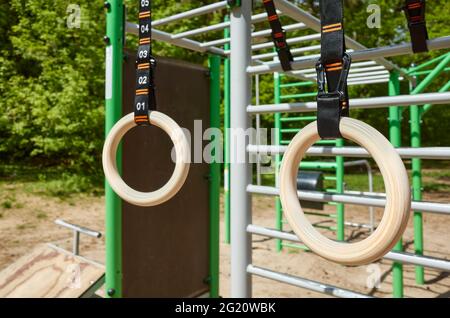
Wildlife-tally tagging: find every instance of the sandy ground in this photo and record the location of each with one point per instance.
(29, 221)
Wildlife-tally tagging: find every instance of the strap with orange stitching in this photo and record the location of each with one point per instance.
(278, 36)
(145, 100)
(415, 14)
(332, 70)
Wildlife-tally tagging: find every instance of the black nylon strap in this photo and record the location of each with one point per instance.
(145, 98)
(333, 66)
(415, 14)
(278, 36)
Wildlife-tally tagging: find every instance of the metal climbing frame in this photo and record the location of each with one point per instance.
(242, 71)
(237, 50)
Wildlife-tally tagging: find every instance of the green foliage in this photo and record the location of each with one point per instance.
(52, 77)
(51, 85)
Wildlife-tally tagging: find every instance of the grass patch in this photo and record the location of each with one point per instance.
(41, 215)
(436, 180)
(26, 226)
(435, 187)
(360, 182)
(56, 182)
(19, 206)
(66, 186)
(7, 204)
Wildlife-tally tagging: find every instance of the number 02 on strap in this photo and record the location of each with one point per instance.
(145, 114)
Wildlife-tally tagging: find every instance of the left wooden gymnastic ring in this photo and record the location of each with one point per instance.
(179, 175)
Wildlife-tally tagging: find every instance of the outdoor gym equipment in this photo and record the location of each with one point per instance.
(145, 114)
(243, 62)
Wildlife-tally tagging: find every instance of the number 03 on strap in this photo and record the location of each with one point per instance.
(145, 114)
(333, 122)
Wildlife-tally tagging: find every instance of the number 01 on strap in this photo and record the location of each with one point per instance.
(145, 114)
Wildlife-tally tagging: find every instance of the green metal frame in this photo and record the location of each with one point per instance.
(278, 158)
(114, 32)
(113, 204)
(395, 118)
(416, 113)
(396, 140)
(214, 184)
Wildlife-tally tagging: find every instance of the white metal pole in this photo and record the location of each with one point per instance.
(432, 153)
(373, 102)
(191, 13)
(375, 201)
(240, 174)
(362, 55)
(258, 132)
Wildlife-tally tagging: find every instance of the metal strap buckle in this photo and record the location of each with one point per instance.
(321, 79)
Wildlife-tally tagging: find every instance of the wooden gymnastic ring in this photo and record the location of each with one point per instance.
(398, 196)
(178, 177)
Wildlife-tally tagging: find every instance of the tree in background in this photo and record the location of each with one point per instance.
(51, 90)
(52, 72)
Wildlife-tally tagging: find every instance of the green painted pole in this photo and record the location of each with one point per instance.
(113, 101)
(427, 72)
(340, 208)
(303, 95)
(395, 138)
(227, 104)
(297, 84)
(416, 166)
(302, 118)
(279, 208)
(214, 183)
(425, 64)
(443, 89)
(430, 77)
(415, 131)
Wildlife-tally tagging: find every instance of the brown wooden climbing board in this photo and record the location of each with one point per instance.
(50, 272)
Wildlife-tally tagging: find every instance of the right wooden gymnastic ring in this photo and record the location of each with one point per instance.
(398, 196)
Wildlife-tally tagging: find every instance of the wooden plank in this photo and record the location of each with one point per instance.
(48, 272)
(166, 247)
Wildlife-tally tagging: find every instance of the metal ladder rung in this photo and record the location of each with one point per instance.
(293, 119)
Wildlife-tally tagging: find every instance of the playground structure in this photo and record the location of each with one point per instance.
(241, 226)
(240, 67)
